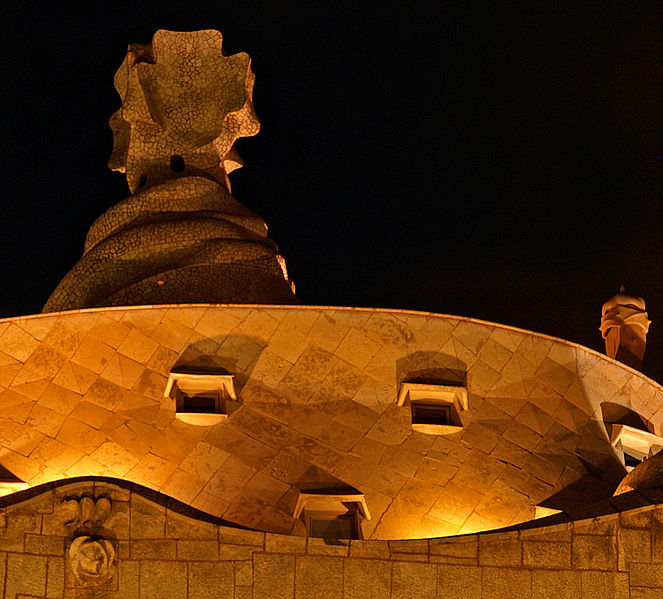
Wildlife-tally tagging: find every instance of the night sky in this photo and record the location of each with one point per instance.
(496, 160)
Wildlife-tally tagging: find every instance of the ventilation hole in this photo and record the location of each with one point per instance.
(176, 163)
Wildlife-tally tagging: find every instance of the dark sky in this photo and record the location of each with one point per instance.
(496, 160)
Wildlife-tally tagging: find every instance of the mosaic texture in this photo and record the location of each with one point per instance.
(81, 393)
(180, 236)
(162, 550)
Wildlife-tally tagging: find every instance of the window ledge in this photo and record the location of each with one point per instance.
(325, 502)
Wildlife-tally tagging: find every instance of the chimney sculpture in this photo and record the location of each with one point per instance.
(624, 326)
(180, 237)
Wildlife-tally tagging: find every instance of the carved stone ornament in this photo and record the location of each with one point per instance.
(180, 237)
(87, 512)
(92, 560)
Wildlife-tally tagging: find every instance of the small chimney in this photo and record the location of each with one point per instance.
(624, 326)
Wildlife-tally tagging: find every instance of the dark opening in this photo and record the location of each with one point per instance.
(430, 413)
(176, 163)
(199, 403)
(343, 526)
(630, 461)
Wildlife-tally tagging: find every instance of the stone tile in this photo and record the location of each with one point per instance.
(80, 436)
(198, 549)
(244, 574)
(388, 432)
(462, 547)
(153, 549)
(606, 585)
(357, 349)
(458, 582)
(229, 479)
(93, 354)
(501, 549)
(368, 450)
(271, 368)
(153, 470)
(122, 371)
(239, 536)
(273, 576)
(318, 577)
(284, 544)
(44, 545)
(55, 577)
(289, 343)
(44, 361)
(419, 546)
(535, 418)
(183, 486)
(369, 549)
(634, 545)
(553, 554)
(17, 343)
(267, 488)
(148, 520)
(340, 436)
(115, 458)
(644, 593)
(559, 584)
(260, 324)
(646, 575)
(37, 327)
(326, 332)
(366, 578)
(204, 460)
(157, 576)
(506, 582)
(317, 546)
(594, 552)
(56, 455)
(26, 575)
(45, 420)
(401, 460)
(65, 337)
(412, 580)
(170, 334)
(246, 510)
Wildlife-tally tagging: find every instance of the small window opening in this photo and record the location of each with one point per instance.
(332, 526)
(633, 444)
(335, 515)
(202, 397)
(435, 409)
(630, 461)
(430, 413)
(176, 163)
(199, 403)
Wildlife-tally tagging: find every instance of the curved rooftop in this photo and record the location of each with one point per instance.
(317, 388)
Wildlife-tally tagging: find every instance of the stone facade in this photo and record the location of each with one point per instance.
(210, 505)
(82, 394)
(161, 548)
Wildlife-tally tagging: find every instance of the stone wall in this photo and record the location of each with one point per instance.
(91, 539)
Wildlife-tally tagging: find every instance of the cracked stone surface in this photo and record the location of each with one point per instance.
(181, 236)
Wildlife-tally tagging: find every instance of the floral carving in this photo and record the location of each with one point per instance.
(92, 560)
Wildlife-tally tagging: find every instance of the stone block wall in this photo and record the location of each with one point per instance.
(133, 543)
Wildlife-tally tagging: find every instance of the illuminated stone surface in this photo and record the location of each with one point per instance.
(181, 236)
(82, 394)
(624, 326)
(162, 548)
